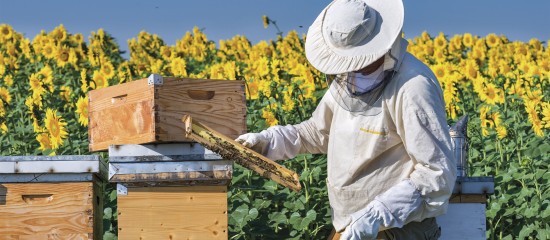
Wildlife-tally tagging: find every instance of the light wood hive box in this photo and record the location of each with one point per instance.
(57, 197)
(149, 110)
(170, 191)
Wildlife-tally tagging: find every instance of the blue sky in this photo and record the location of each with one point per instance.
(219, 19)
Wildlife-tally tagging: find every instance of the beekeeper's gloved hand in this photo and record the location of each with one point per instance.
(258, 142)
(276, 142)
(390, 209)
(364, 225)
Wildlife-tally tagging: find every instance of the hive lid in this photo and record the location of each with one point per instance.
(51, 168)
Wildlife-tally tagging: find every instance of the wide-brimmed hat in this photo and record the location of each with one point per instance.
(349, 35)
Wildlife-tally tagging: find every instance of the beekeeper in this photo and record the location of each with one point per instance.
(382, 124)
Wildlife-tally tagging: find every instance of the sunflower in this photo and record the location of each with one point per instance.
(3, 127)
(82, 110)
(269, 117)
(6, 32)
(55, 125)
(533, 96)
(546, 114)
(63, 55)
(501, 132)
(49, 51)
(265, 21)
(8, 79)
(440, 42)
(156, 66)
(47, 77)
(492, 40)
(59, 33)
(252, 91)
(492, 95)
(78, 38)
(66, 93)
(2, 109)
(36, 84)
(440, 71)
(230, 70)
(177, 67)
(216, 71)
(99, 80)
(535, 44)
(440, 55)
(44, 141)
(5, 95)
(25, 47)
(537, 127)
(471, 69)
(262, 67)
(425, 36)
(504, 67)
(166, 52)
(107, 69)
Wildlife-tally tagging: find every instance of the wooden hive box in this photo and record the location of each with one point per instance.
(150, 110)
(58, 197)
(170, 191)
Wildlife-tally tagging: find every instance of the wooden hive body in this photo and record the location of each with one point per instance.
(51, 197)
(170, 191)
(144, 111)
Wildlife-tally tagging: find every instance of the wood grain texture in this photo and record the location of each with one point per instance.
(224, 110)
(48, 211)
(137, 113)
(131, 123)
(194, 212)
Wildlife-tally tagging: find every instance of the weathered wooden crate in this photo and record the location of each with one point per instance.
(57, 197)
(150, 110)
(170, 191)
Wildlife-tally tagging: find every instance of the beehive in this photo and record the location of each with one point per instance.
(170, 191)
(149, 110)
(57, 197)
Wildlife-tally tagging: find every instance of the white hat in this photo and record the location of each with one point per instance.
(349, 35)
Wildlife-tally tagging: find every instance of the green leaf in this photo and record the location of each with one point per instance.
(107, 213)
(109, 236)
(300, 223)
(270, 186)
(525, 232)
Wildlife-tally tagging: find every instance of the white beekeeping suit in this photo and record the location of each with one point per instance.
(384, 130)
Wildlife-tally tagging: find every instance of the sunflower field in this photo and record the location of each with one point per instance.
(502, 85)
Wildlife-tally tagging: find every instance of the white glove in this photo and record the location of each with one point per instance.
(277, 142)
(364, 225)
(255, 141)
(404, 202)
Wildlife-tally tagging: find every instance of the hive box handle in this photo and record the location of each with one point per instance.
(119, 99)
(37, 198)
(201, 94)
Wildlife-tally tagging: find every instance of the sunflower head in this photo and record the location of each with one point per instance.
(6, 32)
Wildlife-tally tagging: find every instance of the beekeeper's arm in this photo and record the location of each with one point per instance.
(284, 142)
(420, 120)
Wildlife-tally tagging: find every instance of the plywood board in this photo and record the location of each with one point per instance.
(194, 212)
(47, 210)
